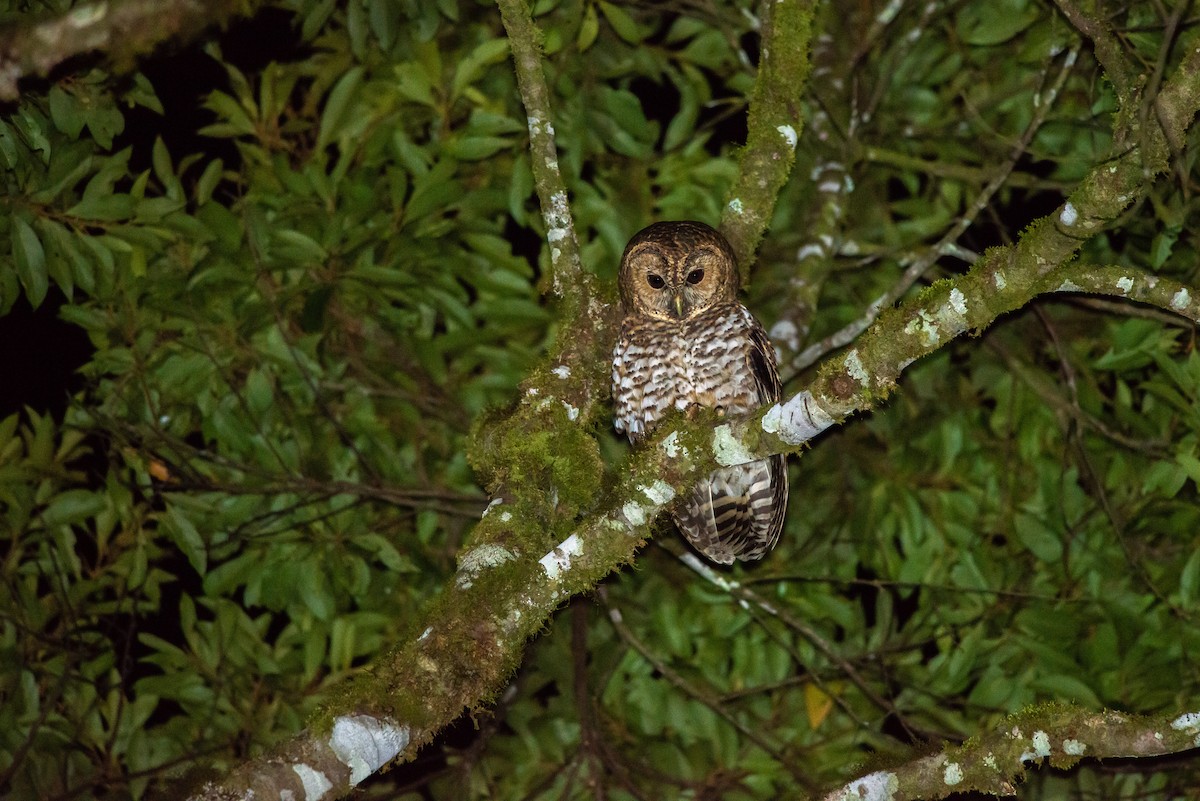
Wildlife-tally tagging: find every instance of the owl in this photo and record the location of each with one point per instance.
(687, 341)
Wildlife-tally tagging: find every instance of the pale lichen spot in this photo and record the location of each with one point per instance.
(1069, 214)
(660, 492)
(989, 760)
(1125, 283)
(572, 411)
(634, 513)
(493, 503)
(728, 449)
(559, 559)
(1188, 721)
(924, 326)
(1074, 747)
(613, 524)
(558, 215)
(365, 744)
(562, 371)
(879, 786)
(672, 447)
(316, 784)
(505, 516)
(1069, 286)
(854, 367)
(953, 774)
(1181, 299)
(999, 280)
(1041, 743)
(478, 559)
(789, 135)
(736, 206)
(958, 301)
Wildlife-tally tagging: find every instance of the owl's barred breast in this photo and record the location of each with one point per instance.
(660, 365)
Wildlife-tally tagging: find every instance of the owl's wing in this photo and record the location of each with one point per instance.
(761, 356)
(768, 501)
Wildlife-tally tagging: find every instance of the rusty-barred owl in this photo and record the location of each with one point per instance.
(686, 340)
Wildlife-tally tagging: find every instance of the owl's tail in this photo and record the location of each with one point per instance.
(737, 512)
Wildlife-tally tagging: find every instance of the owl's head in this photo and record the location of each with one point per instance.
(675, 270)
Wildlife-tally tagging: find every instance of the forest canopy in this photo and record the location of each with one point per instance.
(338, 453)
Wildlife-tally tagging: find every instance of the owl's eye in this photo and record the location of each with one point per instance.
(695, 276)
(655, 281)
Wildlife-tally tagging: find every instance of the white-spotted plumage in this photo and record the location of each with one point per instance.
(687, 341)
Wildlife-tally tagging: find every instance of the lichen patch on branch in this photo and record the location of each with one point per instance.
(365, 744)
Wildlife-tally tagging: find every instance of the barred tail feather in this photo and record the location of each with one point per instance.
(737, 512)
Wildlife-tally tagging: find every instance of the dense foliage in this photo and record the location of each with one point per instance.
(308, 255)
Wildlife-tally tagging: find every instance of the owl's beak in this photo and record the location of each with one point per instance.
(679, 305)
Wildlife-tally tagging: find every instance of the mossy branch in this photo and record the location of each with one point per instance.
(123, 30)
(996, 762)
(1107, 48)
(774, 123)
(524, 41)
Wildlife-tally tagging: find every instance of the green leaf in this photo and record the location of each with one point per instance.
(8, 145)
(470, 69)
(30, 258)
(186, 537)
(588, 28)
(73, 506)
(384, 21)
(994, 22)
(621, 22)
(109, 208)
(336, 104)
(65, 112)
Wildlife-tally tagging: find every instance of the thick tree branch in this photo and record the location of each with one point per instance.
(124, 30)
